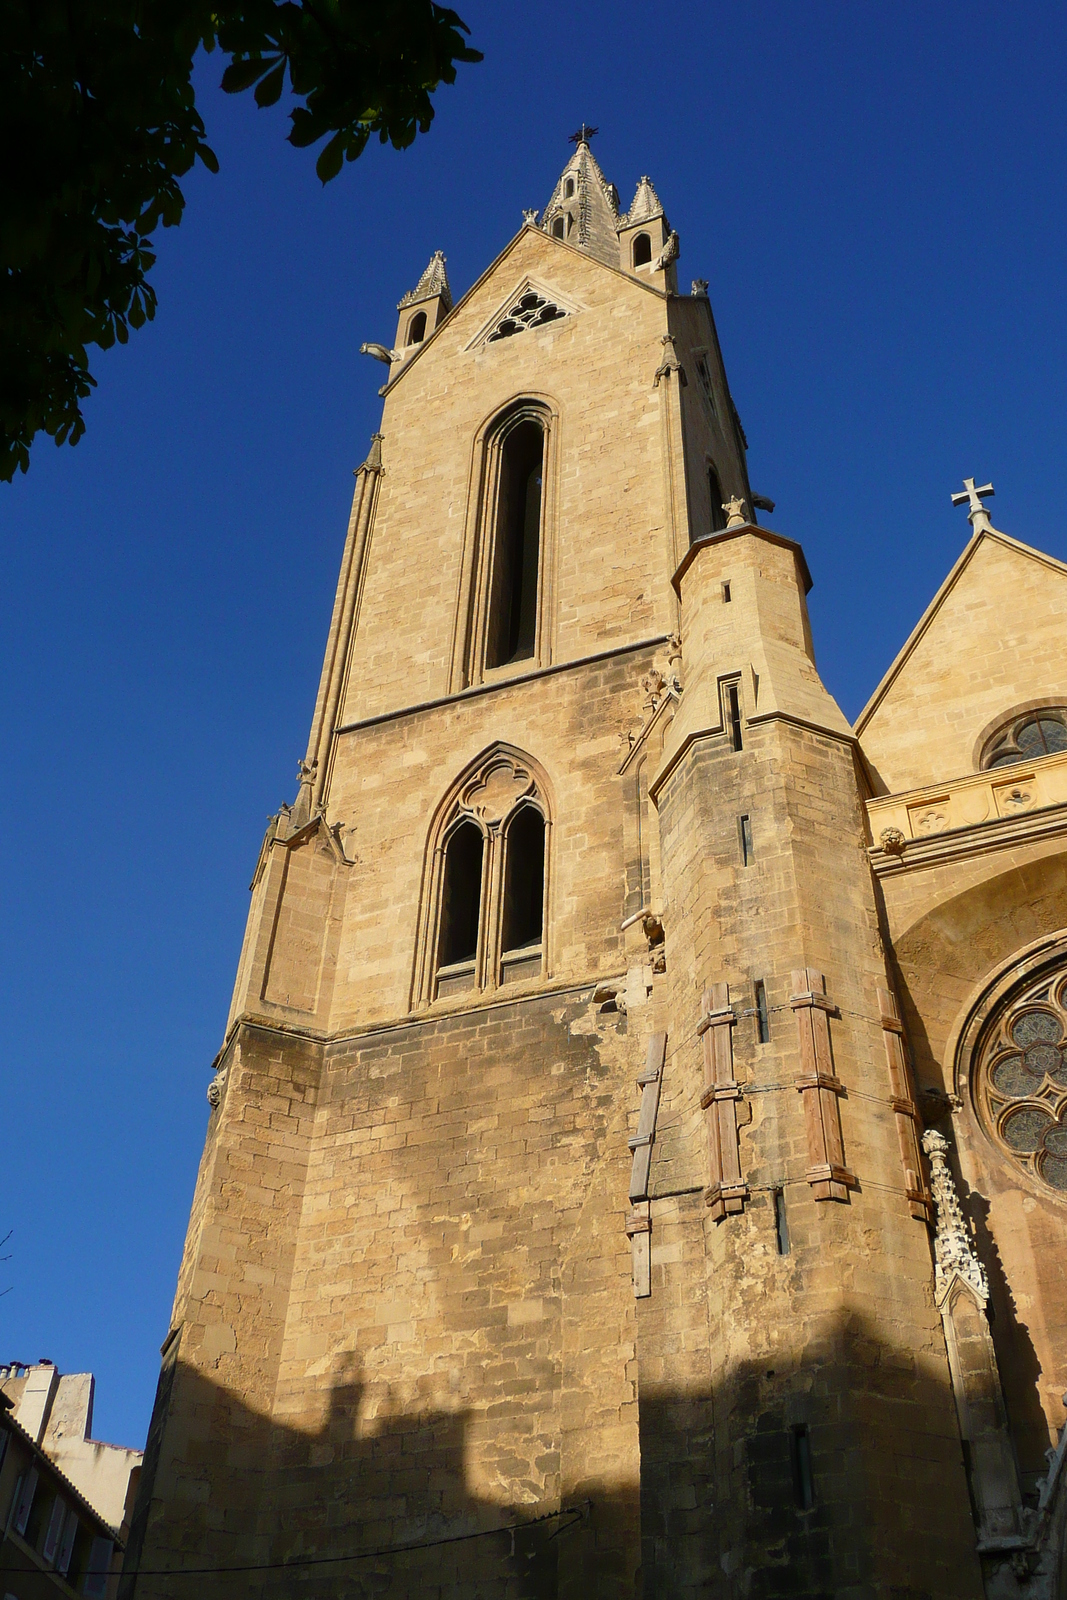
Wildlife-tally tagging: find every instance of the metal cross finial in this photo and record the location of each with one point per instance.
(583, 135)
(974, 498)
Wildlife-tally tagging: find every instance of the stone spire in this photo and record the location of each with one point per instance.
(646, 205)
(432, 285)
(954, 1255)
(584, 208)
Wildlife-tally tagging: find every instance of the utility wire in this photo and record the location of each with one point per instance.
(576, 1514)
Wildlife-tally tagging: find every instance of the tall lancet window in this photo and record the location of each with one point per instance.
(461, 901)
(718, 515)
(512, 632)
(505, 610)
(524, 894)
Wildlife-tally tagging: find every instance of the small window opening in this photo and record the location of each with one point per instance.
(718, 515)
(568, 188)
(524, 881)
(462, 896)
(747, 853)
(642, 250)
(763, 1020)
(513, 616)
(570, 225)
(781, 1223)
(800, 1450)
(417, 328)
(726, 595)
(733, 715)
(557, 228)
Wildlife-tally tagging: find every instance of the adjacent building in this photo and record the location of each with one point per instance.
(66, 1498)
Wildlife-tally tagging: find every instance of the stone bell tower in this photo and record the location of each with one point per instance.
(561, 1228)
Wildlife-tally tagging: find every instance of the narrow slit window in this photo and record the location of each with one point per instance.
(726, 595)
(461, 897)
(718, 515)
(517, 547)
(745, 828)
(763, 1021)
(642, 250)
(568, 188)
(524, 882)
(803, 1483)
(417, 328)
(733, 716)
(781, 1223)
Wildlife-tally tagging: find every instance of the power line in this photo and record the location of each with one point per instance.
(576, 1514)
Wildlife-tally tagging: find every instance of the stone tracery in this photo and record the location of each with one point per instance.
(1021, 1079)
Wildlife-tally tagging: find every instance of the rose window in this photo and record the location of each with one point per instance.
(1021, 1081)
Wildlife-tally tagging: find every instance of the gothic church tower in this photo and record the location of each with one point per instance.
(562, 1227)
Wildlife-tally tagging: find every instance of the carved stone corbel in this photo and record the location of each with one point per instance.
(727, 1192)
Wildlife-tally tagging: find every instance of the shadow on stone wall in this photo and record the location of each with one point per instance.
(724, 1507)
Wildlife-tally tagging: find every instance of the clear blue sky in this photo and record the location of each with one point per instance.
(876, 194)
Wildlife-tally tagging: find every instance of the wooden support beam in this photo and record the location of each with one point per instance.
(830, 1179)
(726, 1193)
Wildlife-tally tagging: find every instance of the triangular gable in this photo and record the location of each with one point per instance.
(493, 267)
(532, 304)
(983, 671)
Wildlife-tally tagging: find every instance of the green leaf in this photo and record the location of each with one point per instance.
(208, 157)
(329, 163)
(268, 91)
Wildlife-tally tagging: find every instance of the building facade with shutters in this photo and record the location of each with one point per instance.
(635, 1162)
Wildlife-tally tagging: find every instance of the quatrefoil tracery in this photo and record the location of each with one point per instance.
(1022, 1081)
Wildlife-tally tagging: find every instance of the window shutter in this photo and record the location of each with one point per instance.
(66, 1549)
(99, 1569)
(55, 1529)
(25, 1501)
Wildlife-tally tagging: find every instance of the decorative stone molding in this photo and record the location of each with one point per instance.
(670, 363)
(961, 807)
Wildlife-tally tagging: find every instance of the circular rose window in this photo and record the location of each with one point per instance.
(1021, 1079)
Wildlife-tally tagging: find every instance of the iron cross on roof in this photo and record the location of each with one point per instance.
(974, 498)
(583, 135)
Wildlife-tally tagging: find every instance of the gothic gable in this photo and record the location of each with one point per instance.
(990, 644)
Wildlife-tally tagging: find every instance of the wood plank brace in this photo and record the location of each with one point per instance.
(820, 1088)
(639, 1217)
(906, 1113)
(726, 1194)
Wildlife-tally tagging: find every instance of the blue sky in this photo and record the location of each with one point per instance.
(876, 194)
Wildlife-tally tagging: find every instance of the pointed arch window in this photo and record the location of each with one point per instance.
(506, 580)
(557, 228)
(718, 515)
(484, 919)
(417, 328)
(642, 250)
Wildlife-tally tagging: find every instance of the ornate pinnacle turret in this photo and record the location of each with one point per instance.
(954, 1255)
(433, 282)
(646, 205)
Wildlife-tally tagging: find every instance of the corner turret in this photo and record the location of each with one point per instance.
(423, 308)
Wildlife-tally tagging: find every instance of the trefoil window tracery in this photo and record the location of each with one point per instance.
(529, 311)
(1027, 738)
(486, 897)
